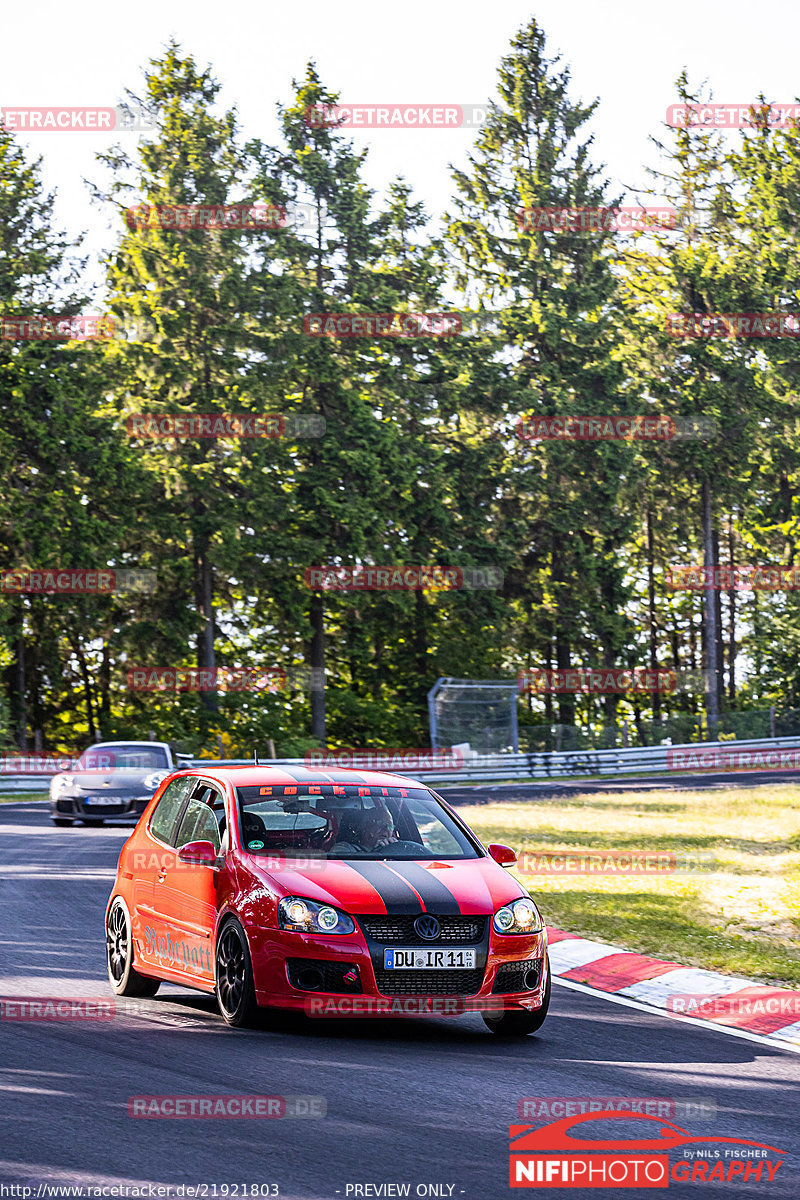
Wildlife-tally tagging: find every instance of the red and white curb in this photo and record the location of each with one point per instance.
(729, 1001)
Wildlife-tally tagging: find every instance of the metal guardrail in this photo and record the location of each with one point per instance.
(543, 765)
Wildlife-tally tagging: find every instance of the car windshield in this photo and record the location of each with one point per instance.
(123, 758)
(350, 821)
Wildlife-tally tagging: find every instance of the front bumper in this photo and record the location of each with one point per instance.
(80, 808)
(329, 976)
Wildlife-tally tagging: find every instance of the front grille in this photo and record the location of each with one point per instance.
(104, 810)
(400, 931)
(510, 977)
(321, 975)
(429, 983)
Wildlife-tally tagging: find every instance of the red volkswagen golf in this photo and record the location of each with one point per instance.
(336, 892)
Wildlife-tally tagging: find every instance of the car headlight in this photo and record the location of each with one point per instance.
(306, 916)
(521, 916)
(61, 783)
(151, 781)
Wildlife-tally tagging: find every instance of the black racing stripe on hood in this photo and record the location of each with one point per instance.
(399, 898)
(435, 896)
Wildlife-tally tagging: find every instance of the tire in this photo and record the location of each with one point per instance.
(235, 990)
(62, 822)
(522, 1021)
(125, 980)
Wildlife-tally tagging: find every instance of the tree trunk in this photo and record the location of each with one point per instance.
(204, 591)
(20, 708)
(710, 614)
(720, 652)
(87, 688)
(566, 701)
(651, 612)
(317, 614)
(731, 619)
(105, 692)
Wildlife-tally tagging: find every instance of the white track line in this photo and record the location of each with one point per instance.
(745, 1034)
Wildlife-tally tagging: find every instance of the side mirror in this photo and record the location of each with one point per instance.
(504, 855)
(202, 853)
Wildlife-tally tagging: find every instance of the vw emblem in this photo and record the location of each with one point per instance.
(427, 927)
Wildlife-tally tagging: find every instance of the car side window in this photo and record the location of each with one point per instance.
(162, 823)
(201, 820)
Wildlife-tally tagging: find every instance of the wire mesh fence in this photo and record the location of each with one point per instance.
(488, 715)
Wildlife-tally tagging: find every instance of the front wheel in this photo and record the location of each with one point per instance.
(521, 1022)
(236, 993)
(62, 822)
(122, 975)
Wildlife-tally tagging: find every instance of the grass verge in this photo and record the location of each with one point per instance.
(731, 905)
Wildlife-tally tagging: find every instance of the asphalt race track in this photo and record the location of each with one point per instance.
(420, 1102)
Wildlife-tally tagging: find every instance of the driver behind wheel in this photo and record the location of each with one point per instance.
(366, 830)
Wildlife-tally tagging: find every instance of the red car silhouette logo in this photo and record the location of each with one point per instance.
(556, 1136)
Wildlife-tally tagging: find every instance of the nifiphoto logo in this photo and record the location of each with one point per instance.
(583, 1150)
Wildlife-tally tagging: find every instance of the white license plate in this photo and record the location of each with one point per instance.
(103, 800)
(414, 958)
